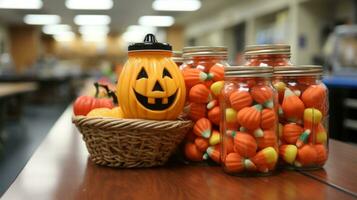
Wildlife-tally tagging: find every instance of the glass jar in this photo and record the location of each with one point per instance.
(303, 116)
(249, 121)
(267, 55)
(203, 72)
(177, 58)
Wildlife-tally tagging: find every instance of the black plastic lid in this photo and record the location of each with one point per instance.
(150, 43)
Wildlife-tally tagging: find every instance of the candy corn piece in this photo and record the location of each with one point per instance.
(312, 116)
(215, 138)
(292, 106)
(203, 128)
(212, 104)
(216, 87)
(258, 133)
(280, 86)
(214, 153)
(288, 153)
(303, 138)
(231, 115)
(265, 159)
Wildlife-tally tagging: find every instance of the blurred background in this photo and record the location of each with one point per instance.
(49, 48)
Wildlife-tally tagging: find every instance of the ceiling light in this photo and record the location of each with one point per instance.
(91, 19)
(37, 19)
(176, 5)
(137, 28)
(94, 38)
(136, 33)
(93, 29)
(21, 4)
(159, 21)
(65, 36)
(89, 4)
(55, 29)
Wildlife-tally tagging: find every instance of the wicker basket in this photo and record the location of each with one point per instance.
(129, 143)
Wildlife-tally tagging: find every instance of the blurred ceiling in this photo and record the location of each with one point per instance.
(123, 13)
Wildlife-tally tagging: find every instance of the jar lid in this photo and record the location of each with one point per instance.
(301, 70)
(150, 43)
(204, 51)
(269, 49)
(177, 56)
(248, 71)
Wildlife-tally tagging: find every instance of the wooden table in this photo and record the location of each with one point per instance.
(7, 89)
(60, 169)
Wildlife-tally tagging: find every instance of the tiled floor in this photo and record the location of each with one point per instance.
(23, 137)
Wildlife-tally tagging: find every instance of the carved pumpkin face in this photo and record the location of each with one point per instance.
(151, 87)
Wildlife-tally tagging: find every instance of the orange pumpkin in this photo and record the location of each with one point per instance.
(269, 139)
(217, 72)
(250, 117)
(292, 106)
(214, 115)
(268, 119)
(228, 145)
(214, 152)
(201, 144)
(193, 76)
(321, 154)
(203, 128)
(192, 153)
(200, 94)
(245, 144)
(197, 111)
(240, 99)
(234, 163)
(232, 125)
(263, 95)
(315, 97)
(306, 156)
(266, 159)
(291, 133)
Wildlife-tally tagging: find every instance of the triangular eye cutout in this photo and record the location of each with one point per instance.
(142, 74)
(166, 73)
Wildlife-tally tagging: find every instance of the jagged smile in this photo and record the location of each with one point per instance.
(156, 103)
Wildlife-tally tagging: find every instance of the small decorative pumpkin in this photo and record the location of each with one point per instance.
(106, 112)
(288, 153)
(192, 153)
(269, 139)
(193, 76)
(228, 144)
(216, 88)
(214, 152)
(291, 133)
(216, 72)
(269, 119)
(151, 85)
(197, 111)
(240, 99)
(214, 115)
(315, 97)
(234, 163)
(265, 159)
(307, 156)
(263, 95)
(201, 144)
(203, 128)
(200, 94)
(292, 106)
(250, 117)
(321, 154)
(245, 145)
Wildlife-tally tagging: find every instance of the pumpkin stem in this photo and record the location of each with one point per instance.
(259, 133)
(258, 107)
(288, 93)
(109, 92)
(269, 104)
(248, 164)
(243, 129)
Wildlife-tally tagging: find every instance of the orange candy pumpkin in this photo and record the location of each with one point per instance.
(203, 128)
(234, 163)
(197, 111)
(228, 145)
(263, 95)
(306, 156)
(193, 76)
(269, 139)
(214, 152)
(216, 72)
(201, 144)
(214, 115)
(250, 117)
(321, 154)
(192, 153)
(245, 144)
(291, 133)
(200, 94)
(240, 99)
(315, 97)
(292, 106)
(268, 119)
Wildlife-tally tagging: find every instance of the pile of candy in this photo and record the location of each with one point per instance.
(302, 111)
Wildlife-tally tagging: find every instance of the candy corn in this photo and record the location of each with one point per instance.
(216, 87)
(288, 153)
